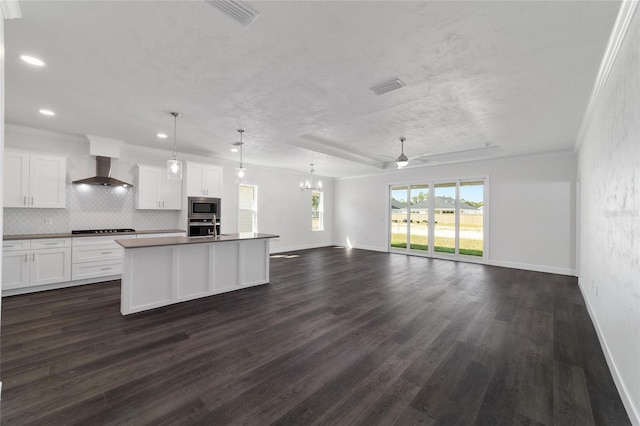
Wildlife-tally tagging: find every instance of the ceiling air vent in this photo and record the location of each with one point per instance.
(235, 9)
(387, 87)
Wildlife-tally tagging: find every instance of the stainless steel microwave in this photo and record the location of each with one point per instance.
(204, 207)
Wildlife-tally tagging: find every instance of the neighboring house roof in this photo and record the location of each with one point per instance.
(442, 203)
(395, 204)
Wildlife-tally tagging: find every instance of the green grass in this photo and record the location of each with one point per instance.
(439, 249)
(442, 245)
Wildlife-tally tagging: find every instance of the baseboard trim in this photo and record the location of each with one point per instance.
(370, 248)
(300, 247)
(632, 410)
(532, 267)
(55, 286)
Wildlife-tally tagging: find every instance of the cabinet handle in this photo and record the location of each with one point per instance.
(26, 259)
(33, 257)
(106, 252)
(50, 244)
(24, 202)
(163, 204)
(106, 269)
(31, 200)
(7, 246)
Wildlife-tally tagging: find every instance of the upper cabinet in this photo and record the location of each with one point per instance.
(155, 191)
(34, 180)
(204, 179)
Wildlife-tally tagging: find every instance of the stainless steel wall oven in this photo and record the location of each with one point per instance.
(202, 212)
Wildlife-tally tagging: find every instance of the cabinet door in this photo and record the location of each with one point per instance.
(149, 190)
(213, 181)
(50, 266)
(47, 181)
(16, 178)
(171, 193)
(195, 179)
(15, 269)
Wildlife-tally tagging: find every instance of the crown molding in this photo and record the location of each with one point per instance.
(10, 9)
(618, 33)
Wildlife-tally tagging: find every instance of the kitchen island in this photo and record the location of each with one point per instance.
(162, 271)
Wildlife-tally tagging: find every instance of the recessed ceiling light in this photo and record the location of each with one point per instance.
(234, 149)
(162, 136)
(32, 61)
(47, 112)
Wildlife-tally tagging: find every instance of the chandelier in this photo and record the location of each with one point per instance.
(311, 184)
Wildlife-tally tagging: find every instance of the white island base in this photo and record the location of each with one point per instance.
(162, 271)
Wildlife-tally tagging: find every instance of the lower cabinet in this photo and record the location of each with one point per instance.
(35, 262)
(95, 257)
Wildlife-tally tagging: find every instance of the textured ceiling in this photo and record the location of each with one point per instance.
(513, 75)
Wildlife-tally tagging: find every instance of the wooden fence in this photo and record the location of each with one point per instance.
(441, 218)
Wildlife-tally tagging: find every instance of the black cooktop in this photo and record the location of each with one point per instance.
(102, 231)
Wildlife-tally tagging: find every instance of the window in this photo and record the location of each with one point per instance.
(439, 219)
(247, 208)
(316, 211)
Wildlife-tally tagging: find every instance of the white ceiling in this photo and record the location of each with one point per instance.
(515, 75)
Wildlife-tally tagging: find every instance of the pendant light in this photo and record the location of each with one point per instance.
(311, 184)
(240, 171)
(402, 159)
(174, 166)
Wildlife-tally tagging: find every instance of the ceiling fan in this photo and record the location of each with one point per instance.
(487, 151)
(402, 160)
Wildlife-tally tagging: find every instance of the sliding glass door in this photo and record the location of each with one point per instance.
(471, 208)
(399, 223)
(439, 219)
(444, 220)
(410, 217)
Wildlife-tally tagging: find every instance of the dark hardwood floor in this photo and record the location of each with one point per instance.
(338, 337)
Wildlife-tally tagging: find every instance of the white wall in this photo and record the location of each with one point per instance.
(609, 171)
(531, 208)
(283, 209)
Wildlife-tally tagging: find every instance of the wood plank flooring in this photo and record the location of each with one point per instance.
(339, 337)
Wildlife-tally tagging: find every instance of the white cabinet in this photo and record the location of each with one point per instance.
(35, 262)
(204, 179)
(15, 266)
(95, 257)
(34, 180)
(154, 191)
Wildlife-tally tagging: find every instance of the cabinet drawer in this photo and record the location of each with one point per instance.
(49, 243)
(112, 251)
(102, 240)
(80, 271)
(14, 245)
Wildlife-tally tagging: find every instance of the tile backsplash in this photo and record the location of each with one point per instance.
(89, 207)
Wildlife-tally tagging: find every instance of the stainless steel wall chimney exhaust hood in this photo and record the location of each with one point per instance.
(103, 175)
(104, 149)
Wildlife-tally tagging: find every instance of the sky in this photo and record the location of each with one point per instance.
(469, 193)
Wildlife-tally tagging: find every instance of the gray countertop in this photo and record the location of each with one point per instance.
(172, 241)
(68, 235)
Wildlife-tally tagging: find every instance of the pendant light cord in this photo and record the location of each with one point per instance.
(241, 145)
(175, 141)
